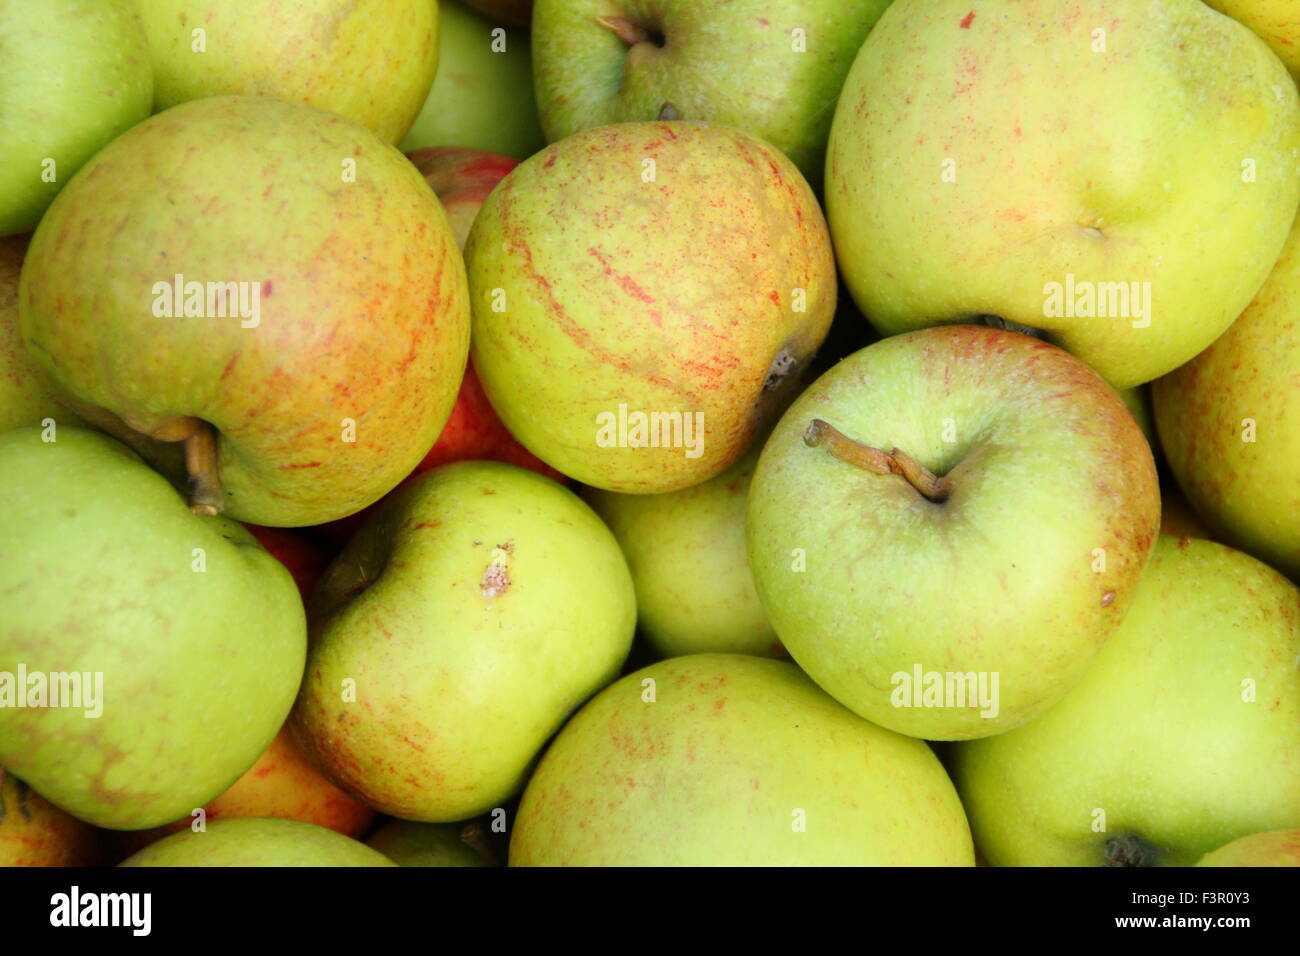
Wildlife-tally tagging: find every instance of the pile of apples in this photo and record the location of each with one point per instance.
(635, 432)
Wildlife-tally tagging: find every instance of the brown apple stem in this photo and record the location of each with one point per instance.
(668, 113)
(206, 496)
(471, 835)
(627, 30)
(822, 434)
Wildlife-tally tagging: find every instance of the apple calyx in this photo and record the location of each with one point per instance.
(631, 32)
(206, 496)
(1129, 850)
(822, 434)
(668, 113)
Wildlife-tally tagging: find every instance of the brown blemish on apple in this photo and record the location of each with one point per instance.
(1108, 599)
(496, 580)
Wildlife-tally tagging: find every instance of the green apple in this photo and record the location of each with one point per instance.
(75, 74)
(372, 61)
(1230, 423)
(425, 844)
(1184, 733)
(729, 760)
(1138, 402)
(1274, 848)
(27, 395)
(515, 13)
(258, 841)
(1276, 21)
(269, 283)
(161, 650)
(773, 68)
(910, 536)
(453, 636)
(686, 551)
(483, 96)
(1128, 221)
(655, 288)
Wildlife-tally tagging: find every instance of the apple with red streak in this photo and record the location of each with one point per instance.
(462, 178)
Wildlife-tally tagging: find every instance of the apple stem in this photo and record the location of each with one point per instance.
(627, 30)
(206, 496)
(471, 835)
(822, 434)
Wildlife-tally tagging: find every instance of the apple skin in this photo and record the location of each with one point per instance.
(254, 841)
(687, 554)
(199, 668)
(76, 74)
(1134, 177)
(424, 844)
(1275, 21)
(514, 13)
(27, 394)
(712, 771)
(1248, 492)
(301, 557)
(733, 62)
(680, 295)
(372, 61)
(462, 179)
(483, 95)
(1274, 848)
(1157, 733)
(34, 832)
(364, 312)
(864, 578)
(473, 613)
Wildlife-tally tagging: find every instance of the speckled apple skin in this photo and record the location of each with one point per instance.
(714, 771)
(364, 314)
(675, 295)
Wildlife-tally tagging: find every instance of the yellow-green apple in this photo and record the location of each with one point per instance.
(1184, 733)
(1229, 421)
(76, 73)
(686, 552)
(771, 67)
(173, 668)
(427, 844)
(730, 760)
(483, 95)
(515, 13)
(33, 832)
(1276, 21)
(269, 283)
(300, 555)
(909, 536)
(372, 61)
(1274, 848)
(644, 295)
(27, 395)
(454, 634)
(462, 179)
(258, 841)
(1129, 221)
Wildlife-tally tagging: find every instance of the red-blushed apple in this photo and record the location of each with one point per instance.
(34, 832)
(1271, 848)
(910, 538)
(266, 282)
(462, 179)
(645, 295)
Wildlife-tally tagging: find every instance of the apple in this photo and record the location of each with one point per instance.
(1276, 21)
(909, 538)
(35, 833)
(483, 95)
(27, 395)
(76, 74)
(454, 634)
(372, 61)
(253, 841)
(1138, 402)
(773, 68)
(1275, 848)
(462, 179)
(729, 760)
(1184, 733)
(643, 296)
(427, 844)
(1129, 221)
(1230, 423)
(175, 664)
(686, 551)
(515, 13)
(301, 557)
(314, 348)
